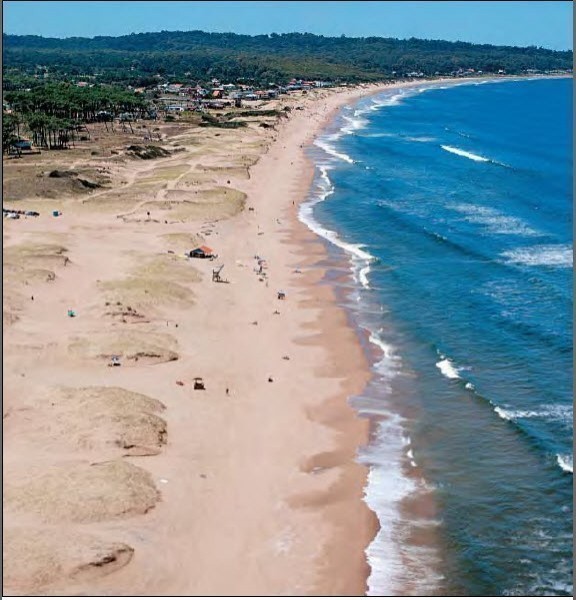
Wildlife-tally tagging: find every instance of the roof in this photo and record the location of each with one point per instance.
(204, 249)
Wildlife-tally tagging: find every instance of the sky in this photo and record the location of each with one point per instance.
(520, 23)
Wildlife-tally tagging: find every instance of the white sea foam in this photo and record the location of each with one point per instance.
(447, 368)
(382, 135)
(552, 255)
(360, 259)
(324, 144)
(393, 100)
(387, 486)
(566, 462)
(410, 456)
(465, 154)
(504, 414)
(363, 276)
(390, 362)
(495, 221)
(423, 139)
(554, 412)
(354, 123)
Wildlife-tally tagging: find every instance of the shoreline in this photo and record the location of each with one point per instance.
(420, 503)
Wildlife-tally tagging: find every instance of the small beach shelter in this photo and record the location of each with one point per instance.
(202, 252)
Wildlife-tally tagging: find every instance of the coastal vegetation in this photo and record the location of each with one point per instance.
(54, 87)
(141, 59)
(55, 113)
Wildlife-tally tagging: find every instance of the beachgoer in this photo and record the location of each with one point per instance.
(227, 392)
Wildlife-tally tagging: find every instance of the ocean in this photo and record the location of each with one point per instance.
(452, 205)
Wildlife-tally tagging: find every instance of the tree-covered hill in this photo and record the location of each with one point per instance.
(197, 55)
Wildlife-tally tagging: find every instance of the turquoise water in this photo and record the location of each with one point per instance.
(453, 205)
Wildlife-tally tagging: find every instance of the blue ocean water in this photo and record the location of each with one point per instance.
(453, 205)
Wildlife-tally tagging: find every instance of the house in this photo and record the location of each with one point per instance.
(174, 88)
(202, 252)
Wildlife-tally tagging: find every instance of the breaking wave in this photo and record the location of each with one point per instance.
(465, 154)
(325, 145)
(566, 462)
(360, 259)
(448, 368)
(551, 255)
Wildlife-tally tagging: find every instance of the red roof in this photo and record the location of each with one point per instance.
(206, 250)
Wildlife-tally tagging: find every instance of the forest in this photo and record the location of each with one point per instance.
(139, 59)
(54, 113)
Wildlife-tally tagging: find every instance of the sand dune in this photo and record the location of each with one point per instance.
(35, 559)
(97, 420)
(134, 348)
(82, 493)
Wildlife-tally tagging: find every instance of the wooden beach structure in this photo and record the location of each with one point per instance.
(202, 252)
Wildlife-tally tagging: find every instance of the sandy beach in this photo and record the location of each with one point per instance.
(127, 481)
